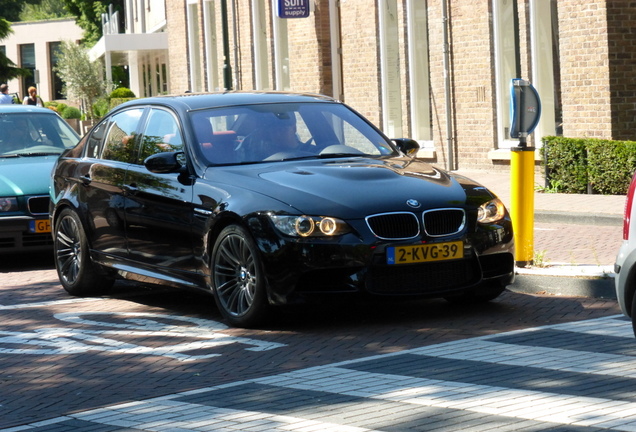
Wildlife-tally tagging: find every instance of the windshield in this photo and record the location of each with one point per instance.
(28, 134)
(274, 132)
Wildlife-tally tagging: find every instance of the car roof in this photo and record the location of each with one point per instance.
(21, 109)
(194, 101)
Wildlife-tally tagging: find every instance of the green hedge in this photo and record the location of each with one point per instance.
(580, 165)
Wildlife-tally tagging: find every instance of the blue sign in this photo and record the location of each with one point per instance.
(293, 8)
(525, 108)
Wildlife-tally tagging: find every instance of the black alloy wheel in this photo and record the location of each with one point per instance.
(77, 273)
(238, 280)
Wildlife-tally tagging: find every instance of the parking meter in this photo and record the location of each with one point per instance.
(525, 111)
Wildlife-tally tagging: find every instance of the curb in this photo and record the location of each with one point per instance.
(571, 281)
(554, 216)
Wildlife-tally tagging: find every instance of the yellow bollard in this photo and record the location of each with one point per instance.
(522, 203)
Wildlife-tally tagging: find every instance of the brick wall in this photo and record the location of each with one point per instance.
(621, 16)
(596, 46)
(583, 43)
(360, 65)
(177, 43)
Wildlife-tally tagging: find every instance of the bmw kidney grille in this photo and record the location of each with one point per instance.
(405, 225)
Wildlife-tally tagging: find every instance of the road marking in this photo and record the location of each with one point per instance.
(48, 303)
(60, 341)
(517, 380)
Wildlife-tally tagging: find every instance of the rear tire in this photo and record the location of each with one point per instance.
(77, 273)
(238, 279)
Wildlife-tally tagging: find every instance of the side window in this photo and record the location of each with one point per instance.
(162, 134)
(121, 142)
(94, 141)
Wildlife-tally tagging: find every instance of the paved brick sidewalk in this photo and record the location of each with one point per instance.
(48, 370)
(571, 229)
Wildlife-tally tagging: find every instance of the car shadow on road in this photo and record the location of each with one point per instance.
(340, 311)
(26, 262)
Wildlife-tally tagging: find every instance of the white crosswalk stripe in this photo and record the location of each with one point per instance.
(540, 387)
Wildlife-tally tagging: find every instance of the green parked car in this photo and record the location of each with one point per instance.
(31, 140)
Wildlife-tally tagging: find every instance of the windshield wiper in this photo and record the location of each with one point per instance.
(39, 154)
(337, 155)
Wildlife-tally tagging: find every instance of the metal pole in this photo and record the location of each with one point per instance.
(227, 67)
(522, 201)
(447, 93)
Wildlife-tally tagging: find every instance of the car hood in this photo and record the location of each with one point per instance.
(25, 175)
(356, 187)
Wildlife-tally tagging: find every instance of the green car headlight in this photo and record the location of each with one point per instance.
(8, 204)
(309, 226)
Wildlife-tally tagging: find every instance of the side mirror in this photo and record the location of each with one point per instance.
(407, 146)
(164, 163)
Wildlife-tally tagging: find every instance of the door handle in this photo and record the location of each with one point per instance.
(130, 188)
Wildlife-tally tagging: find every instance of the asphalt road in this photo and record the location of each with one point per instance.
(154, 359)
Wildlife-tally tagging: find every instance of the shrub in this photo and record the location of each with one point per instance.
(60, 107)
(565, 164)
(577, 165)
(101, 107)
(122, 92)
(70, 112)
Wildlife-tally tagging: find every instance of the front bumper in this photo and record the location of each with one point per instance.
(625, 279)
(352, 264)
(25, 234)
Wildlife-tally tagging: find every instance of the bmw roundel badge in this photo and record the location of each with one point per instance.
(413, 203)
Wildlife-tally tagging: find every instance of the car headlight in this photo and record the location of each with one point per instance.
(491, 211)
(8, 204)
(309, 226)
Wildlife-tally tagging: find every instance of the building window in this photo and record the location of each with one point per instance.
(281, 51)
(211, 51)
(56, 81)
(544, 36)
(27, 61)
(194, 47)
(506, 65)
(544, 62)
(261, 64)
(419, 73)
(390, 69)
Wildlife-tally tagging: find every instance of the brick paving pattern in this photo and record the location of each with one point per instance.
(575, 376)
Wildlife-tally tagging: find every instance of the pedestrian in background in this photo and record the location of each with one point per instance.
(33, 98)
(5, 97)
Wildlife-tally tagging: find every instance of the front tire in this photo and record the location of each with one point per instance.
(77, 273)
(238, 278)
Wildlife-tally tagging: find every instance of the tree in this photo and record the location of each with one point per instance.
(11, 9)
(46, 9)
(82, 78)
(88, 15)
(8, 69)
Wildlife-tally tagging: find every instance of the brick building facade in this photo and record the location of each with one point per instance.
(437, 71)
